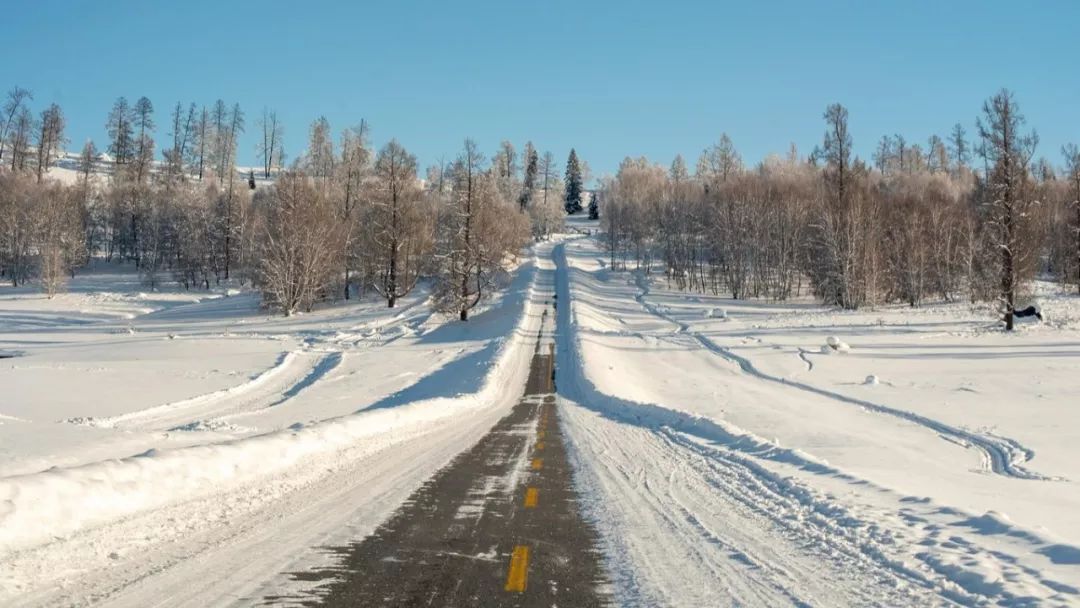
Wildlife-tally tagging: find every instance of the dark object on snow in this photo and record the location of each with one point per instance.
(1030, 311)
(251, 180)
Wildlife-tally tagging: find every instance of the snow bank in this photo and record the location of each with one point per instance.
(53, 504)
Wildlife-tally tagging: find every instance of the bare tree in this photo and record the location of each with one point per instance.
(50, 138)
(844, 269)
(1010, 199)
(19, 133)
(1072, 160)
(121, 132)
(961, 150)
(353, 171)
(13, 105)
(59, 237)
(479, 230)
(269, 147)
(17, 217)
(199, 151)
(720, 161)
(183, 134)
(401, 230)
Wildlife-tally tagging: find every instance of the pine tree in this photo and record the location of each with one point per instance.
(574, 185)
(594, 206)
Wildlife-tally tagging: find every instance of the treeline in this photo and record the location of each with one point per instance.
(949, 221)
(342, 220)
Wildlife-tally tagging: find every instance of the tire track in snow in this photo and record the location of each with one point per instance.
(1003, 456)
(293, 373)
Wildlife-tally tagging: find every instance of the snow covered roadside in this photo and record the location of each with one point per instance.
(694, 503)
(105, 510)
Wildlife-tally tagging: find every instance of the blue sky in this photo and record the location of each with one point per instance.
(610, 78)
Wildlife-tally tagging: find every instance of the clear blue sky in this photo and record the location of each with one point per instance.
(609, 78)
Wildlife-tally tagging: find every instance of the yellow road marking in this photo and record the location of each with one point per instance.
(531, 496)
(537, 464)
(519, 569)
(540, 435)
(539, 445)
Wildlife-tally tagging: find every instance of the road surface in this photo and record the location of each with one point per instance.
(499, 526)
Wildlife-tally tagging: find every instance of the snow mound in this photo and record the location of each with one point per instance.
(716, 313)
(872, 380)
(834, 344)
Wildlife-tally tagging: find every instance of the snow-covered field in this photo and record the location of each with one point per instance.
(183, 448)
(150, 440)
(718, 439)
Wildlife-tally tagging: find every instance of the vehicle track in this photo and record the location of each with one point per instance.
(294, 372)
(1002, 455)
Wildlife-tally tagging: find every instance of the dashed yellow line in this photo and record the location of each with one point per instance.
(531, 496)
(518, 576)
(540, 435)
(539, 445)
(537, 464)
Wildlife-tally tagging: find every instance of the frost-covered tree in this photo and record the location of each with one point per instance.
(719, 162)
(59, 237)
(478, 232)
(528, 183)
(549, 173)
(298, 244)
(400, 224)
(319, 161)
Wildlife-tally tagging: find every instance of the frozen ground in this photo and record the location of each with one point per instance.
(173, 448)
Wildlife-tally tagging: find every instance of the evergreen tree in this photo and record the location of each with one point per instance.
(594, 206)
(574, 185)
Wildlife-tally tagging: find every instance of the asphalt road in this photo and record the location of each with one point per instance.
(498, 526)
